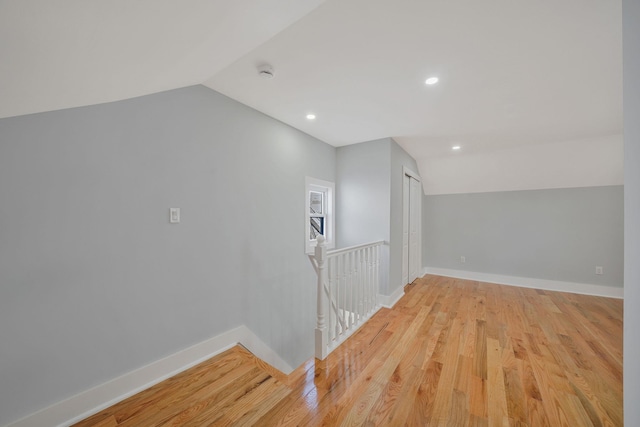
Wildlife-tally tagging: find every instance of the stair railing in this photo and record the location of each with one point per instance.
(348, 284)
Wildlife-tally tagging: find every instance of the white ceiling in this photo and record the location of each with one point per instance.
(69, 53)
(512, 72)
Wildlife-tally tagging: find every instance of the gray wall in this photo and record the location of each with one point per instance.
(362, 193)
(559, 234)
(399, 159)
(631, 51)
(369, 200)
(95, 282)
(362, 198)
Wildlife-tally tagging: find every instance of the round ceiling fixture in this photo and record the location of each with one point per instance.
(311, 116)
(455, 147)
(431, 80)
(266, 71)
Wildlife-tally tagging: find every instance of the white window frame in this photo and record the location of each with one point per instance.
(328, 190)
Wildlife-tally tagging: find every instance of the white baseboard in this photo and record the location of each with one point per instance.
(529, 282)
(89, 402)
(259, 348)
(389, 301)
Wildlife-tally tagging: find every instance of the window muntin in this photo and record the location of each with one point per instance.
(317, 212)
(319, 200)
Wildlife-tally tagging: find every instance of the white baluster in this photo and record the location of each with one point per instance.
(370, 280)
(354, 280)
(376, 273)
(343, 286)
(348, 285)
(365, 277)
(363, 282)
(330, 292)
(361, 276)
(356, 284)
(336, 294)
(367, 282)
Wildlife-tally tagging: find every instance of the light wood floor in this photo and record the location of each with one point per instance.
(450, 353)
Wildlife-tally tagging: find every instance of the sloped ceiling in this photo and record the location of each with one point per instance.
(69, 53)
(512, 73)
(508, 69)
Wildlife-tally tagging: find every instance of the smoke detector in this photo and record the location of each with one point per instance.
(265, 71)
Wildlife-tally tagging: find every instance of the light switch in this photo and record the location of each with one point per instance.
(174, 215)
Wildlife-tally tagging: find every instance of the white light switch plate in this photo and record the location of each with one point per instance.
(174, 215)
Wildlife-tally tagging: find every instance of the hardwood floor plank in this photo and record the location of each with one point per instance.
(478, 398)
(553, 406)
(475, 421)
(222, 408)
(480, 355)
(459, 411)
(445, 391)
(355, 412)
(496, 394)
(463, 374)
(258, 403)
(404, 377)
(418, 411)
(202, 403)
(107, 422)
(514, 391)
(597, 418)
(609, 397)
(578, 414)
(451, 352)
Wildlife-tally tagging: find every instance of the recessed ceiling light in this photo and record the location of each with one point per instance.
(311, 116)
(431, 80)
(455, 147)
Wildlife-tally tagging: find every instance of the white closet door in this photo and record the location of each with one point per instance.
(415, 202)
(405, 229)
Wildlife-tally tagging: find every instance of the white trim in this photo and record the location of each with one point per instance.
(262, 351)
(89, 402)
(412, 174)
(329, 189)
(354, 248)
(408, 211)
(344, 337)
(530, 282)
(389, 301)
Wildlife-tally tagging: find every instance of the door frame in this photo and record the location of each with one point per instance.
(407, 205)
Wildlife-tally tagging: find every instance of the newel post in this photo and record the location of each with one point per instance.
(321, 327)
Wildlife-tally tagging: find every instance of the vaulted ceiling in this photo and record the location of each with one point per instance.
(511, 73)
(69, 53)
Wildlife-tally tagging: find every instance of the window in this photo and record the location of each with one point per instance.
(317, 213)
(319, 196)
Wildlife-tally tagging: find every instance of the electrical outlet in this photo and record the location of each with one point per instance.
(599, 270)
(463, 259)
